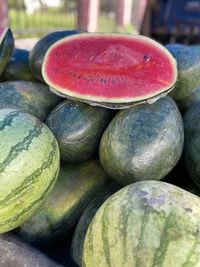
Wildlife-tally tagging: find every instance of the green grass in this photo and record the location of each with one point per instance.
(35, 25)
(105, 24)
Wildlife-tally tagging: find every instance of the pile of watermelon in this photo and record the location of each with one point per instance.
(100, 152)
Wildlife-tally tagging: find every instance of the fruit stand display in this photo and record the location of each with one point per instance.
(100, 150)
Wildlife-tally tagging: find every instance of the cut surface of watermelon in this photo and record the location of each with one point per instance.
(114, 68)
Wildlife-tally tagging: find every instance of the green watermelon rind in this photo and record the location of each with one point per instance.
(148, 223)
(29, 166)
(76, 186)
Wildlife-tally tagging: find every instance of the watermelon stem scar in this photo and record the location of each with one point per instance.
(115, 70)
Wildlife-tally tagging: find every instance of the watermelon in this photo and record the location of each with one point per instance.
(77, 184)
(37, 53)
(191, 121)
(29, 166)
(143, 142)
(76, 249)
(31, 97)
(15, 252)
(78, 128)
(111, 70)
(145, 224)
(192, 156)
(18, 67)
(188, 64)
(189, 101)
(6, 47)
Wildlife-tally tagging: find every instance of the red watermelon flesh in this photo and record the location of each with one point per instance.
(114, 68)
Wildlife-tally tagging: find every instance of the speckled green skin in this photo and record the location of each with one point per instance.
(76, 250)
(29, 165)
(146, 224)
(37, 54)
(77, 184)
(78, 128)
(191, 120)
(14, 252)
(31, 97)
(6, 48)
(189, 101)
(188, 64)
(18, 67)
(143, 142)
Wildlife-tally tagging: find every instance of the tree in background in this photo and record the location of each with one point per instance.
(108, 6)
(13, 4)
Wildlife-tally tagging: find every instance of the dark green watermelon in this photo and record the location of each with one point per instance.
(191, 121)
(37, 53)
(15, 252)
(77, 184)
(6, 47)
(31, 97)
(192, 157)
(189, 101)
(78, 128)
(188, 64)
(18, 67)
(145, 224)
(144, 142)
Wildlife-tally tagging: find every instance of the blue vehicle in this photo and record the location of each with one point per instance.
(173, 20)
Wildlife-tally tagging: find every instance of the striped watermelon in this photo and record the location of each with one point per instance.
(76, 186)
(29, 165)
(76, 250)
(146, 224)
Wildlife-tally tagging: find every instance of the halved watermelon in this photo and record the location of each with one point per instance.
(115, 70)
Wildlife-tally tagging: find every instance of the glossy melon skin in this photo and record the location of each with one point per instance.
(188, 64)
(76, 186)
(31, 97)
(78, 128)
(14, 252)
(148, 223)
(6, 48)
(110, 70)
(37, 53)
(29, 166)
(144, 142)
(76, 250)
(17, 67)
